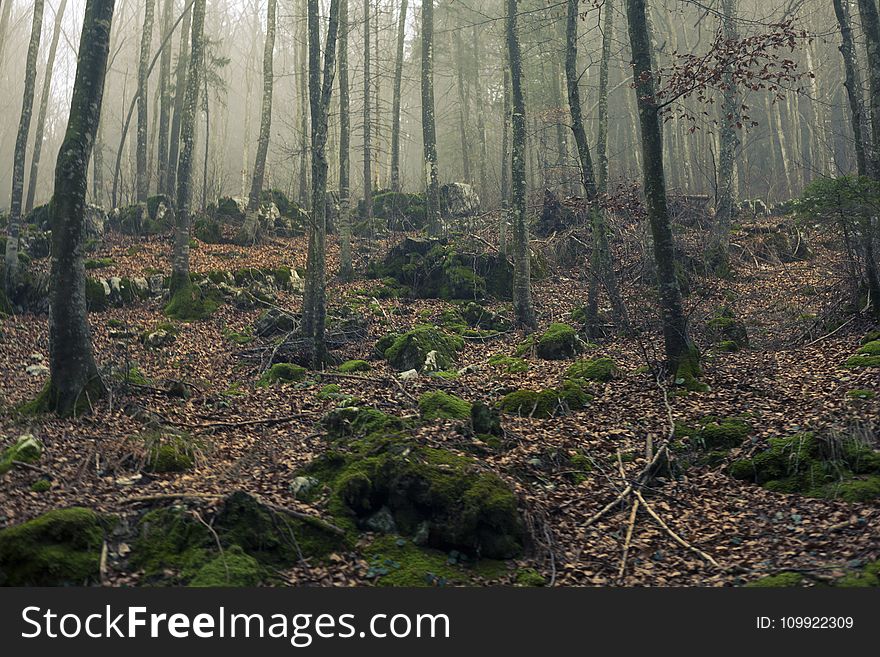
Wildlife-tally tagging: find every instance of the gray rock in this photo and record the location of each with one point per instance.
(459, 200)
(382, 521)
(157, 284)
(158, 339)
(302, 487)
(94, 224)
(409, 375)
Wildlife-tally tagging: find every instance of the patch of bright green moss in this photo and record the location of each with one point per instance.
(558, 342)
(190, 303)
(441, 405)
(509, 364)
(26, 449)
(282, 373)
(780, 580)
(231, 568)
(351, 366)
(410, 350)
(861, 394)
(349, 421)
(546, 403)
(595, 369)
(530, 577)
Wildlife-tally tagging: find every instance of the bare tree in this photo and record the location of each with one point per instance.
(44, 106)
(429, 131)
(681, 355)
(181, 72)
(395, 106)
(522, 284)
(320, 93)
(74, 379)
(345, 265)
(143, 180)
(251, 229)
(164, 100)
(368, 127)
(24, 125)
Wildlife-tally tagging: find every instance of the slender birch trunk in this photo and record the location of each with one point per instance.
(142, 183)
(346, 270)
(429, 134)
(180, 84)
(164, 101)
(395, 103)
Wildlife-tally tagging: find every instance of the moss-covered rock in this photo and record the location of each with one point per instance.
(594, 369)
(530, 577)
(815, 467)
(713, 433)
(509, 364)
(26, 449)
(282, 373)
(410, 350)
(543, 404)
(97, 295)
(169, 451)
(351, 366)
(868, 355)
(727, 331)
(348, 421)
(233, 567)
(447, 499)
(193, 303)
(59, 548)
(558, 342)
(439, 405)
(780, 580)
(485, 420)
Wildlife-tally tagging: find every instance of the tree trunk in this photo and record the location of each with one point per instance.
(522, 285)
(164, 100)
(729, 144)
(303, 87)
(602, 272)
(24, 125)
(180, 281)
(458, 56)
(681, 354)
(481, 116)
(853, 85)
(395, 103)
(871, 30)
(368, 101)
(180, 85)
(429, 135)
(345, 265)
(505, 161)
(4, 27)
(74, 380)
(44, 106)
(250, 231)
(320, 93)
(602, 129)
(143, 180)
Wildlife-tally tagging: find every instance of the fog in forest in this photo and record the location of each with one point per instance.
(802, 134)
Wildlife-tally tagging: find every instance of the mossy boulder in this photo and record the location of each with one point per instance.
(543, 404)
(348, 421)
(274, 322)
(172, 546)
(439, 405)
(868, 355)
(815, 467)
(485, 420)
(450, 501)
(713, 433)
(727, 331)
(351, 366)
(59, 548)
(26, 449)
(508, 364)
(558, 342)
(282, 373)
(593, 369)
(234, 567)
(193, 303)
(168, 451)
(410, 350)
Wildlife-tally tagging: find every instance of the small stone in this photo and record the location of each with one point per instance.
(423, 532)
(303, 486)
(37, 370)
(409, 375)
(157, 284)
(36, 358)
(382, 521)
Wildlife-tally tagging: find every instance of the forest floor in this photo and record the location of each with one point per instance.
(791, 379)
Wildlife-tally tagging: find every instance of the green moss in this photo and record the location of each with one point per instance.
(231, 568)
(190, 303)
(868, 576)
(96, 298)
(41, 486)
(282, 373)
(871, 336)
(350, 421)
(728, 345)
(441, 405)
(410, 350)
(61, 547)
(351, 366)
(169, 451)
(861, 394)
(780, 580)
(719, 434)
(330, 391)
(171, 545)
(581, 466)
(99, 263)
(465, 508)
(385, 342)
(725, 329)
(806, 464)
(485, 421)
(396, 561)
(871, 348)
(546, 403)
(596, 369)
(558, 342)
(509, 364)
(688, 372)
(529, 577)
(859, 361)
(26, 449)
